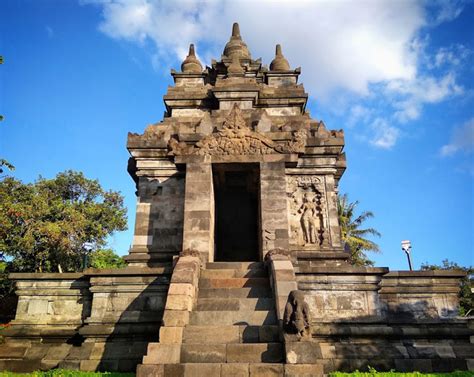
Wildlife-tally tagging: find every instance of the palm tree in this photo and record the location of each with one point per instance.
(352, 235)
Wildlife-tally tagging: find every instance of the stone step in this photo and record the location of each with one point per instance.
(234, 265)
(232, 353)
(234, 283)
(248, 292)
(255, 353)
(230, 334)
(12, 352)
(221, 370)
(230, 273)
(218, 304)
(248, 318)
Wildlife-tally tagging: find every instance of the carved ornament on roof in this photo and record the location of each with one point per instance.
(236, 138)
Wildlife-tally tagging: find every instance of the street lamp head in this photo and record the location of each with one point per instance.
(88, 246)
(406, 246)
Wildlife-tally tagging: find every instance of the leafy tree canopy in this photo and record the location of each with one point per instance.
(466, 297)
(106, 258)
(353, 234)
(47, 223)
(5, 164)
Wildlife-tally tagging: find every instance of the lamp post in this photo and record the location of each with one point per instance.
(406, 247)
(87, 247)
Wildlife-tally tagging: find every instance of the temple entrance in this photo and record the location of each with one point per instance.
(236, 188)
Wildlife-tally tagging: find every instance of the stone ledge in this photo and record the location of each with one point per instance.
(321, 255)
(45, 276)
(338, 270)
(131, 271)
(435, 273)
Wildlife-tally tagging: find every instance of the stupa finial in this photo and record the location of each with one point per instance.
(236, 30)
(279, 63)
(236, 46)
(191, 64)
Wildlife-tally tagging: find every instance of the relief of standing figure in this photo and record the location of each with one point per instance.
(310, 222)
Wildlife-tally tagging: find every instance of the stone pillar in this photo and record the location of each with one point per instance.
(198, 231)
(273, 207)
(333, 218)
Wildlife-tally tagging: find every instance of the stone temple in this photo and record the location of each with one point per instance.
(237, 266)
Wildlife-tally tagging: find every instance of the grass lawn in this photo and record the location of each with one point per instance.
(372, 373)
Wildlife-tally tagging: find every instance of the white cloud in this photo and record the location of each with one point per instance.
(358, 114)
(340, 45)
(452, 56)
(384, 136)
(447, 10)
(423, 90)
(362, 50)
(462, 139)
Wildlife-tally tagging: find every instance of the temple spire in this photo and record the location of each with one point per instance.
(236, 30)
(279, 63)
(191, 64)
(236, 46)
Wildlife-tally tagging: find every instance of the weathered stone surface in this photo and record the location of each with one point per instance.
(250, 317)
(210, 353)
(144, 370)
(211, 334)
(171, 334)
(254, 353)
(235, 369)
(304, 370)
(302, 352)
(162, 353)
(266, 370)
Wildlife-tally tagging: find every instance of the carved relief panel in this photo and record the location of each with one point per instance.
(307, 211)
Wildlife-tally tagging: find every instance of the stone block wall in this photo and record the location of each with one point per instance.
(96, 320)
(421, 294)
(131, 300)
(273, 207)
(341, 293)
(48, 302)
(199, 215)
(159, 220)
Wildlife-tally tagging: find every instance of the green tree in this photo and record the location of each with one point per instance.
(352, 234)
(106, 258)
(5, 164)
(466, 296)
(46, 224)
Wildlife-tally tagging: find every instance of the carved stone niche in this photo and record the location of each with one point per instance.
(307, 212)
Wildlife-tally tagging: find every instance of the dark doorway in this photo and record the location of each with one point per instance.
(236, 198)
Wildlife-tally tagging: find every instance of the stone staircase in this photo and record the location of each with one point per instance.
(233, 329)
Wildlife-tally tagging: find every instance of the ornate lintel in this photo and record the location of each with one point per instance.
(236, 138)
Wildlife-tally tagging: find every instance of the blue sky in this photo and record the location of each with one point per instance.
(397, 76)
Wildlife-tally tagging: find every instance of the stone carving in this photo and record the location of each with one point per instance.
(190, 253)
(152, 134)
(178, 148)
(236, 138)
(307, 211)
(298, 144)
(310, 222)
(296, 319)
(277, 252)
